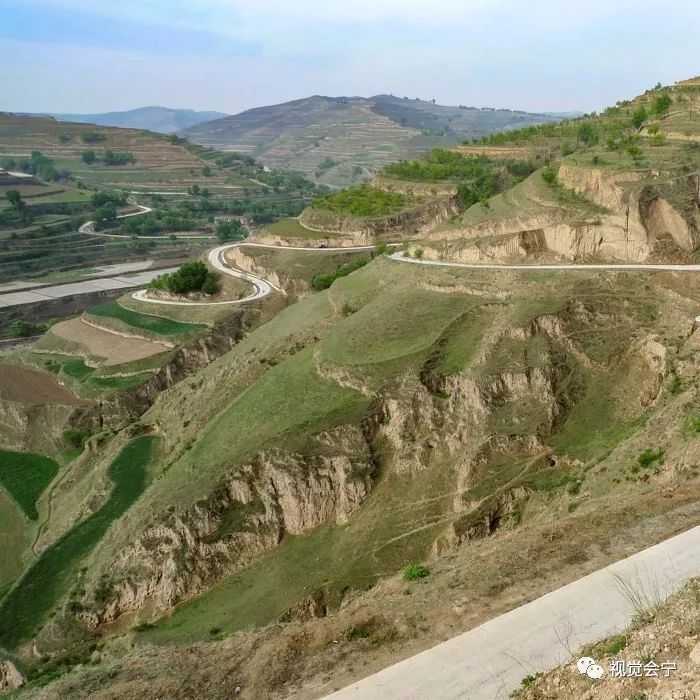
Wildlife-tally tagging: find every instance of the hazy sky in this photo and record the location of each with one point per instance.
(100, 55)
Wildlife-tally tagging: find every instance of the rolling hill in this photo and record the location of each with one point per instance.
(342, 140)
(164, 120)
(337, 480)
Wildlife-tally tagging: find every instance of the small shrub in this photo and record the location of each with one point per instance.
(143, 626)
(362, 631)
(76, 438)
(573, 485)
(567, 149)
(674, 384)
(615, 645)
(525, 683)
(649, 456)
(691, 425)
(347, 309)
(549, 175)
(415, 572)
(418, 253)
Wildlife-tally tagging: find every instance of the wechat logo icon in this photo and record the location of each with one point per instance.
(587, 666)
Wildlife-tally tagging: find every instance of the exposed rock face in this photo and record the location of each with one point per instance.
(34, 427)
(10, 677)
(237, 257)
(422, 219)
(275, 493)
(663, 220)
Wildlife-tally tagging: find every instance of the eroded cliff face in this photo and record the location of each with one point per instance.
(275, 493)
(34, 428)
(10, 678)
(635, 224)
(237, 257)
(463, 423)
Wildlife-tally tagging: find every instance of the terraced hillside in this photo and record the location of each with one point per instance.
(410, 414)
(343, 140)
(161, 163)
(620, 186)
(66, 174)
(331, 480)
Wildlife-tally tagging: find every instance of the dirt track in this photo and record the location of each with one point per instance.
(113, 348)
(29, 386)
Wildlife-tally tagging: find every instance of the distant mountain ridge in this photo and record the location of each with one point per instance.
(341, 140)
(164, 120)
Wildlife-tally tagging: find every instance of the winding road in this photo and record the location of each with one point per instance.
(263, 287)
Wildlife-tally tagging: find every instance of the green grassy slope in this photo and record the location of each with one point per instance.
(13, 527)
(392, 339)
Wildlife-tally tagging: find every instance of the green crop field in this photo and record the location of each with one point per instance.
(92, 381)
(121, 383)
(32, 598)
(293, 229)
(25, 476)
(154, 324)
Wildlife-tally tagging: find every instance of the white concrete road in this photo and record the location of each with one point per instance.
(489, 662)
(650, 267)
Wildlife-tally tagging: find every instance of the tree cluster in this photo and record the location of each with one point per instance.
(363, 200)
(232, 230)
(191, 277)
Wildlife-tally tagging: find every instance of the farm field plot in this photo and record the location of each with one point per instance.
(109, 348)
(155, 324)
(25, 476)
(293, 229)
(30, 386)
(28, 603)
(94, 381)
(13, 528)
